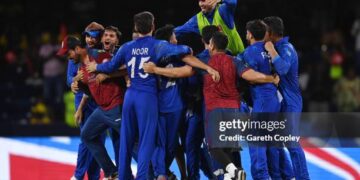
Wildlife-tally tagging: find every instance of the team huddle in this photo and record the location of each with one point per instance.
(157, 100)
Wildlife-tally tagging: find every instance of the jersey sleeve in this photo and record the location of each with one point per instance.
(114, 63)
(165, 50)
(227, 12)
(191, 26)
(71, 72)
(283, 61)
(241, 65)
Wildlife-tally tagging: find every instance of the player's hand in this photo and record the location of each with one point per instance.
(91, 67)
(101, 77)
(122, 67)
(78, 117)
(75, 86)
(149, 67)
(127, 80)
(269, 46)
(214, 74)
(79, 76)
(211, 3)
(276, 80)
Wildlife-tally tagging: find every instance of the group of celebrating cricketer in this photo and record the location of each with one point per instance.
(157, 101)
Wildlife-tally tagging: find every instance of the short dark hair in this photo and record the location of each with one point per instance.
(220, 41)
(275, 25)
(144, 22)
(257, 28)
(115, 29)
(73, 41)
(165, 32)
(208, 32)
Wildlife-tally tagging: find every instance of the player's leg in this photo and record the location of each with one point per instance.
(273, 159)
(128, 133)
(206, 164)
(257, 150)
(173, 120)
(112, 118)
(180, 160)
(158, 157)
(286, 167)
(91, 136)
(296, 152)
(115, 139)
(147, 117)
(193, 140)
(82, 162)
(259, 167)
(220, 154)
(279, 162)
(180, 154)
(93, 170)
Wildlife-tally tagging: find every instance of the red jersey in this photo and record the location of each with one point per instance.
(107, 94)
(222, 94)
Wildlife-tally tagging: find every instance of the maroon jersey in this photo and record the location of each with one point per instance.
(107, 94)
(222, 94)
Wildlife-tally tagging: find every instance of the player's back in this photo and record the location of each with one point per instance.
(222, 94)
(258, 59)
(137, 53)
(147, 49)
(170, 99)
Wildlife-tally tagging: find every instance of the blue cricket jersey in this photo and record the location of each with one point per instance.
(240, 64)
(286, 65)
(258, 59)
(135, 53)
(71, 73)
(72, 70)
(226, 10)
(170, 99)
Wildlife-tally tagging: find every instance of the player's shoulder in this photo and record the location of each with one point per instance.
(127, 44)
(287, 48)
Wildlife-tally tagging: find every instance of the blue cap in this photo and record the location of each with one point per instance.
(93, 34)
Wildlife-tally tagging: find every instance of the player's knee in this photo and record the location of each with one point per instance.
(84, 137)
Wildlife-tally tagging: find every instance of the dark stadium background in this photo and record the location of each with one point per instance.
(319, 29)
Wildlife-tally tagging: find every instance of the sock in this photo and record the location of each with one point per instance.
(231, 168)
(227, 176)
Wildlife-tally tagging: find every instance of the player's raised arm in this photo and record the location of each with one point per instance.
(281, 63)
(190, 26)
(227, 12)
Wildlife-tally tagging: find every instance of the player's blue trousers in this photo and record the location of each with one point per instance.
(168, 141)
(85, 160)
(192, 133)
(297, 154)
(263, 167)
(98, 122)
(139, 119)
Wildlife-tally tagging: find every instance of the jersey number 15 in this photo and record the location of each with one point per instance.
(132, 64)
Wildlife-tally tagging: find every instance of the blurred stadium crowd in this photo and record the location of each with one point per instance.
(33, 90)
